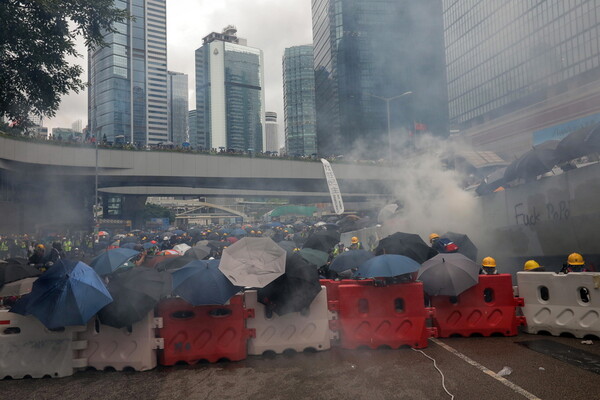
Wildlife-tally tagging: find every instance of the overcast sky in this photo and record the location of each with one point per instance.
(270, 25)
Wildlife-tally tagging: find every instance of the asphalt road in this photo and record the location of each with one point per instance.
(343, 374)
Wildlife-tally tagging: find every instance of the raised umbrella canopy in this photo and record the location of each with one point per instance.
(201, 282)
(448, 274)
(287, 245)
(406, 244)
(135, 293)
(195, 253)
(579, 143)
(465, 245)
(110, 260)
(293, 291)
(253, 262)
(316, 257)
(69, 293)
(537, 161)
(387, 266)
(349, 260)
(322, 240)
(11, 272)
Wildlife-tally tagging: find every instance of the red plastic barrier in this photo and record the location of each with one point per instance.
(485, 309)
(375, 316)
(207, 333)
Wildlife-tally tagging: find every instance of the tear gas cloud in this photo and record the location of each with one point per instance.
(431, 197)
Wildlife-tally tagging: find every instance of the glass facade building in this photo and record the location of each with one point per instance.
(229, 94)
(505, 55)
(177, 96)
(299, 101)
(127, 95)
(365, 50)
(271, 132)
(192, 129)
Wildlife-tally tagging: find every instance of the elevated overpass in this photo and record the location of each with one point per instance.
(163, 173)
(53, 184)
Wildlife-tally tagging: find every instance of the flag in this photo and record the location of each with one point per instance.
(420, 127)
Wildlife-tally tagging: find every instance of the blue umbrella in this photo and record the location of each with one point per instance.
(110, 260)
(225, 230)
(178, 232)
(69, 293)
(239, 232)
(149, 245)
(130, 245)
(350, 259)
(201, 282)
(387, 265)
(275, 224)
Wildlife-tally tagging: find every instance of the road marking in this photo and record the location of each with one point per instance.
(515, 388)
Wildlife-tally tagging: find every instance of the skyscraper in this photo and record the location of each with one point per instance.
(369, 51)
(299, 100)
(177, 97)
(192, 129)
(520, 72)
(271, 132)
(229, 93)
(128, 78)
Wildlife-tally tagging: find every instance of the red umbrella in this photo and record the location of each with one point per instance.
(232, 239)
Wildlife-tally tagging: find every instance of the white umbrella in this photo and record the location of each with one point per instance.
(253, 262)
(181, 248)
(17, 288)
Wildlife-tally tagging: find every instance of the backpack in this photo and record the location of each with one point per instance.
(447, 246)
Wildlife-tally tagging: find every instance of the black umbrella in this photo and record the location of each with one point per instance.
(135, 293)
(294, 290)
(448, 274)
(287, 245)
(465, 246)
(300, 238)
(322, 240)
(10, 272)
(199, 252)
(536, 161)
(17, 260)
(577, 144)
(174, 263)
(406, 244)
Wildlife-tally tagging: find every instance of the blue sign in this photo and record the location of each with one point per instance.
(162, 222)
(557, 132)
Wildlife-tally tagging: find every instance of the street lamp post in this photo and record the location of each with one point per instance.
(389, 127)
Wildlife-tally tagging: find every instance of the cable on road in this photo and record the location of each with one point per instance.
(439, 370)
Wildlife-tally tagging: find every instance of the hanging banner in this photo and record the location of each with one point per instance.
(334, 189)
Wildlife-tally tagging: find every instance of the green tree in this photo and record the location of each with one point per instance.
(156, 211)
(36, 38)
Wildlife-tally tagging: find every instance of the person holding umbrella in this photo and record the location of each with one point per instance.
(355, 244)
(442, 245)
(488, 266)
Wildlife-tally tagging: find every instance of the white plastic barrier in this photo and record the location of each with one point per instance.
(294, 331)
(561, 303)
(27, 348)
(133, 347)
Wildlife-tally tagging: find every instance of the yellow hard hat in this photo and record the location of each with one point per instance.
(40, 246)
(433, 236)
(575, 259)
(489, 262)
(530, 264)
(252, 232)
(354, 240)
(258, 232)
